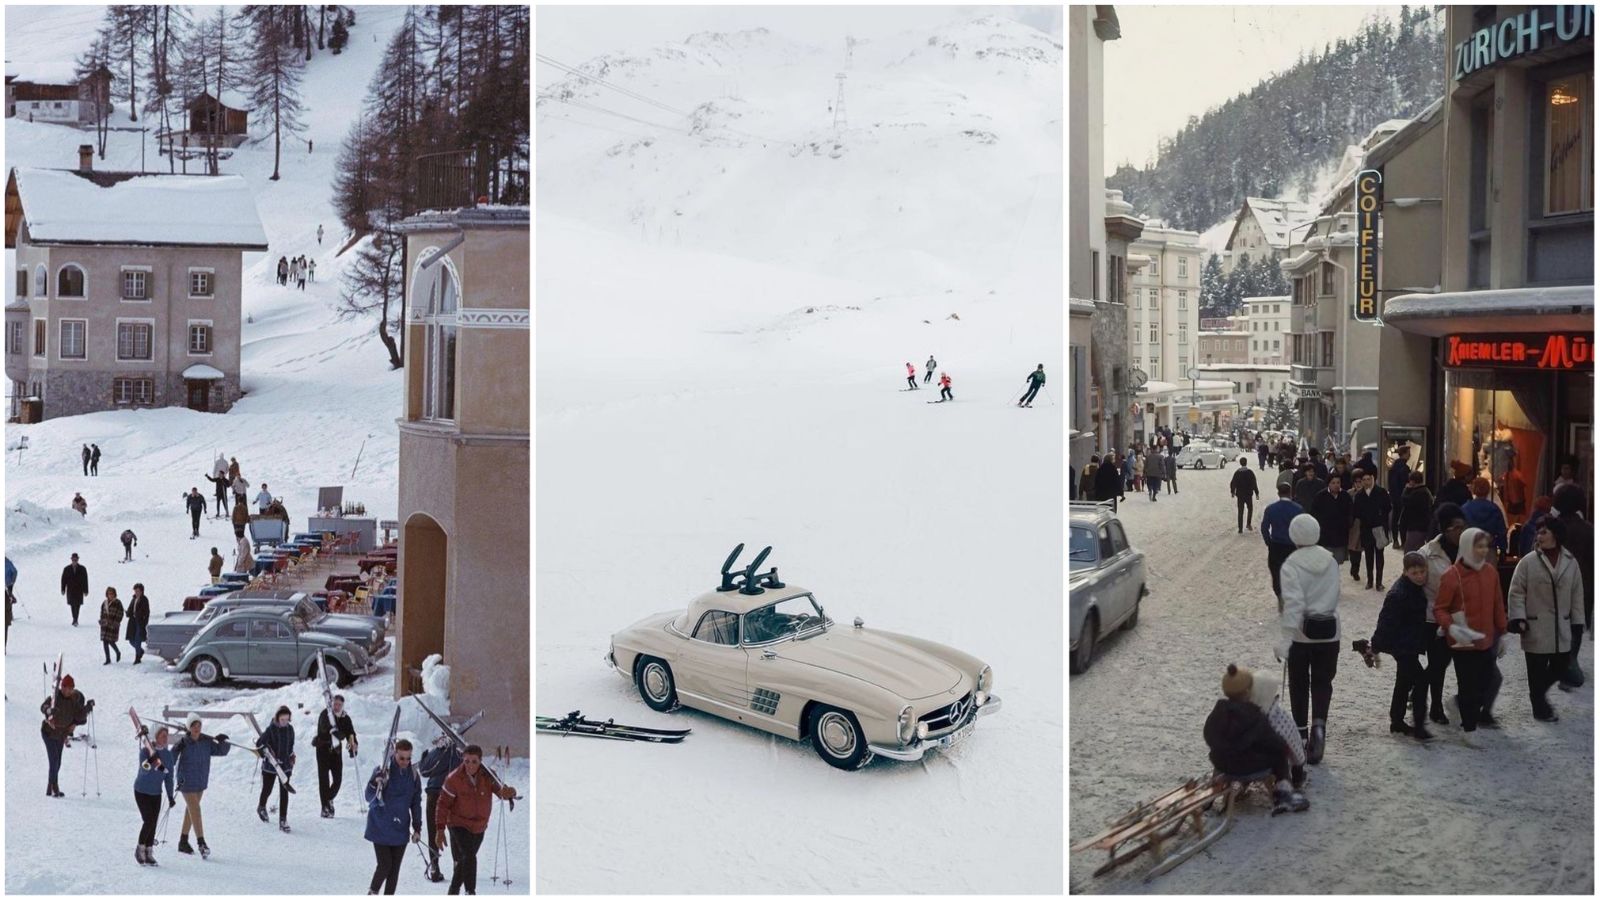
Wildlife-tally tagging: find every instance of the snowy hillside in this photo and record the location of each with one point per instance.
(319, 409)
(724, 319)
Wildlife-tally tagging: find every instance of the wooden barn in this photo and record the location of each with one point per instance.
(228, 119)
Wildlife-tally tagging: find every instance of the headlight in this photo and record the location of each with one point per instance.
(922, 730)
(985, 681)
(908, 725)
(979, 698)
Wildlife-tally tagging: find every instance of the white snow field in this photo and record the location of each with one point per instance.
(320, 394)
(724, 324)
(1388, 815)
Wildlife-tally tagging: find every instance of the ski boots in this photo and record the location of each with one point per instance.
(262, 813)
(150, 856)
(433, 867)
(282, 826)
(327, 811)
(138, 855)
(183, 845)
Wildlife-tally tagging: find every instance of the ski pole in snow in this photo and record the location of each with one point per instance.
(1047, 394)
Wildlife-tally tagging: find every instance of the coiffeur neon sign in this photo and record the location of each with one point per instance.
(1369, 201)
(1559, 350)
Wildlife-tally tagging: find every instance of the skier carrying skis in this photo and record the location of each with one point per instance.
(197, 509)
(154, 773)
(278, 738)
(931, 367)
(138, 621)
(464, 807)
(944, 387)
(74, 586)
(193, 753)
(911, 375)
(437, 763)
(110, 625)
(63, 711)
(128, 541)
(334, 730)
(1035, 382)
(394, 814)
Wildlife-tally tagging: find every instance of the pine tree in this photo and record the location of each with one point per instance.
(272, 74)
(1211, 285)
(375, 282)
(95, 64)
(124, 32)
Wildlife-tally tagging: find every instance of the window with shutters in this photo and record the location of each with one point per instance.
(16, 333)
(41, 332)
(200, 339)
(73, 344)
(202, 284)
(133, 391)
(134, 340)
(135, 284)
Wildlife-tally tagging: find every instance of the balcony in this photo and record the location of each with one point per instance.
(461, 179)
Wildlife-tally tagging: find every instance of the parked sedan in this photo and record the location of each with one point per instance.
(1199, 456)
(266, 646)
(171, 633)
(1105, 580)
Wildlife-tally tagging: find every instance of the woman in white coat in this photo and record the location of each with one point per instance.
(1310, 622)
(1546, 609)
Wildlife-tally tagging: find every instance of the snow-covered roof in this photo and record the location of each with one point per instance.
(232, 99)
(1275, 217)
(60, 70)
(64, 206)
(1564, 308)
(202, 371)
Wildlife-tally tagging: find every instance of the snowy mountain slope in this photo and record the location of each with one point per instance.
(320, 397)
(723, 328)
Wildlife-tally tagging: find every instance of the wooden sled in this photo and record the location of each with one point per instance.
(1173, 827)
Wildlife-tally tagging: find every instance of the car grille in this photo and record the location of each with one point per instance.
(948, 717)
(764, 701)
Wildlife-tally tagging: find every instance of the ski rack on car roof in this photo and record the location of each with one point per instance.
(748, 581)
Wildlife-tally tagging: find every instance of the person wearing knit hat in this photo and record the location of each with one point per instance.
(1455, 490)
(277, 738)
(1469, 601)
(1546, 608)
(1243, 742)
(1310, 631)
(65, 710)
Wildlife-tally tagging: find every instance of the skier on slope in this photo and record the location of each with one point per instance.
(197, 509)
(128, 541)
(394, 812)
(279, 739)
(193, 753)
(464, 808)
(944, 387)
(911, 375)
(11, 599)
(220, 484)
(63, 711)
(437, 763)
(154, 773)
(931, 366)
(1035, 382)
(334, 732)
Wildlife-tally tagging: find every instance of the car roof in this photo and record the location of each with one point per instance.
(1086, 513)
(739, 603)
(263, 595)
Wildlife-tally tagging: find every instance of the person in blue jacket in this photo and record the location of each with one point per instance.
(1275, 521)
(437, 762)
(194, 752)
(11, 580)
(155, 772)
(394, 815)
(1483, 513)
(279, 739)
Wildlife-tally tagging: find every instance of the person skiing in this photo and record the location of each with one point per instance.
(1244, 491)
(1275, 522)
(110, 625)
(335, 732)
(128, 541)
(1035, 382)
(215, 567)
(319, 225)
(263, 498)
(197, 509)
(1310, 624)
(241, 518)
(1405, 625)
(11, 599)
(931, 366)
(74, 586)
(138, 621)
(193, 754)
(154, 774)
(437, 763)
(911, 376)
(80, 505)
(64, 711)
(1546, 609)
(394, 812)
(220, 485)
(279, 739)
(86, 456)
(94, 460)
(464, 807)
(944, 387)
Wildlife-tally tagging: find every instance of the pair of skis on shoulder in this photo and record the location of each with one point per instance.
(575, 724)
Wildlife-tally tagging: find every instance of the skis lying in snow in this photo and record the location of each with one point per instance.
(574, 724)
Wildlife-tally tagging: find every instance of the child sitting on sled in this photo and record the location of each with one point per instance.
(1243, 739)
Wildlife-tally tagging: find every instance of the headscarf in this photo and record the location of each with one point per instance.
(1468, 552)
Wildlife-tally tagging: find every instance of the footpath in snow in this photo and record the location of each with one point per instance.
(1516, 816)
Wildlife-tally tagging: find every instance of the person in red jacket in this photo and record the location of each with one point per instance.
(464, 805)
(911, 376)
(1469, 596)
(944, 387)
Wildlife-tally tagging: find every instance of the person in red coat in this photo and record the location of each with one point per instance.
(1469, 596)
(911, 376)
(465, 801)
(944, 387)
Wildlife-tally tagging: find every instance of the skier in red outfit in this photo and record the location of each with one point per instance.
(944, 387)
(911, 376)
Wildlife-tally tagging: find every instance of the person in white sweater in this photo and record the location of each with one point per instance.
(1310, 623)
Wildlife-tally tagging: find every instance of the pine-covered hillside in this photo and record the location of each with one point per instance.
(1287, 128)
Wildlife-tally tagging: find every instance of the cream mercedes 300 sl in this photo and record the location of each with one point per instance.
(764, 653)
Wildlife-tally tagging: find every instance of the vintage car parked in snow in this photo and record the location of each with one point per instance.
(763, 653)
(1199, 456)
(171, 633)
(266, 646)
(1105, 580)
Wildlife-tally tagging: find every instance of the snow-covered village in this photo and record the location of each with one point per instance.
(1339, 295)
(267, 450)
(800, 445)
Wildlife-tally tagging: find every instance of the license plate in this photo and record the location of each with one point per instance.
(956, 736)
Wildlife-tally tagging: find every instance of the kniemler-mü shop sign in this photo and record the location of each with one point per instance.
(1555, 350)
(1369, 200)
(1539, 28)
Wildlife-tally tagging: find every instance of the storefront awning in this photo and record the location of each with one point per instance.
(1562, 309)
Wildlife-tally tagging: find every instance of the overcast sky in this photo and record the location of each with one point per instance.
(576, 33)
(1176, 61)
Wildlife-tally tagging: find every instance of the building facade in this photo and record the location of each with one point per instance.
(1267, 320)
(1164, 303)
(113, 306)
(72, 102)
(465, 463)
(1223, 347)
(1264, 229)
(1509, 335)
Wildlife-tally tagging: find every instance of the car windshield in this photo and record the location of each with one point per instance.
(308, 611)
(1081, 552)
(788, 618)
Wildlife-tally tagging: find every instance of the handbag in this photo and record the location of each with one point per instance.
(1319, 626)
(1380, 536)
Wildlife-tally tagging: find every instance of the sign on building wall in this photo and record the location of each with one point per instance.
(1556, 350)
(1538, 28)
(1369, 203)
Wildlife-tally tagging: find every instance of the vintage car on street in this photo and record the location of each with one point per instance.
(1199, 456)
(764, 653)
(1105, 580)
(172, 631)
(252, 645)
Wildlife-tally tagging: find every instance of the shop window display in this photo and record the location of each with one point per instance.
(1494, 425)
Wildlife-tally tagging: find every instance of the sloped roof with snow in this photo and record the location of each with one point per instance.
(1275, 218)
(64, 206)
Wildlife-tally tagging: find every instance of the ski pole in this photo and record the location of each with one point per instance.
(1047, 394)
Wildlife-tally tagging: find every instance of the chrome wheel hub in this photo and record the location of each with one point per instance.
(656, 682)
(838, 736)
(207, 671)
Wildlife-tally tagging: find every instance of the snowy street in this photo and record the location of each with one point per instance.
(1387, 814)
